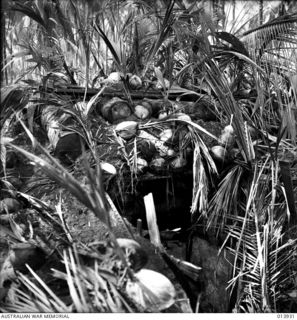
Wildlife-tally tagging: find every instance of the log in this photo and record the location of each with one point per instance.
(80, 92)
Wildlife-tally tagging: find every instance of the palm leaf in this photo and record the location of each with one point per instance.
(226, 199)
(116, 54)
(58, 173)
(218, 83)
(31, 10)
(263, 260)
(281, 30)
(13, 99)
(236, 44)
(166, 27)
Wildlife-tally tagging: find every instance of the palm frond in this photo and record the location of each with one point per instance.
(263, 262)
(90, 289)
(164, 31)
(218, 83)
(60, 175)
(203, 169)
(31, 10)
(281, 30)
(115, 49)
(226, 199)
(13, 99)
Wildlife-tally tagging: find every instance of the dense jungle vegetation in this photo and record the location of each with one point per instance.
(148, 156)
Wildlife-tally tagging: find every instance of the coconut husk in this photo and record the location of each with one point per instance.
(115, 109)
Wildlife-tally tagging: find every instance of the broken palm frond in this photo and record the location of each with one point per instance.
(45, 299)
(263, 264)
(179, 267)
(65, 227)
(181, 121)
(80, 124)
(226, 201)
(93, 197)
(60, 175)
(151, 218)
(265, 260)
(46, 213)
(288, 186)
(203, 169)
(90, 289)
(117, 219)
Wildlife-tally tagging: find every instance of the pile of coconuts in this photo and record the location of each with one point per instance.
(158, 149)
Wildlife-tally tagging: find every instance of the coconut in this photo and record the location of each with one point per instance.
(135, 82)
(252, 131)
(108, 168)
(115, 109)
(219, 153)
(152, 290)
(227, 136)
(126, 129)
(228, 129)
(176, 106)
(163, 115)
(146, 149)
(178, 163)
(142, 112)
(147, 105)
(158, 164)
(189, 152)
(119, 111)
(114, 77)
(166, 135)
(160, 145)
(234, 153)
(141, 164)
(159, 84)
(167, 153)
(154, 104)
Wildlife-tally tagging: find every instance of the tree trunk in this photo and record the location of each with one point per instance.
(3, 77)
(233, 12)
(260, 12)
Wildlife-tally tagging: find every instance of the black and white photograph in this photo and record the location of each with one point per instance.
(148, 153)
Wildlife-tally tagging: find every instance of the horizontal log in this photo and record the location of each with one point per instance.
(80, 92)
